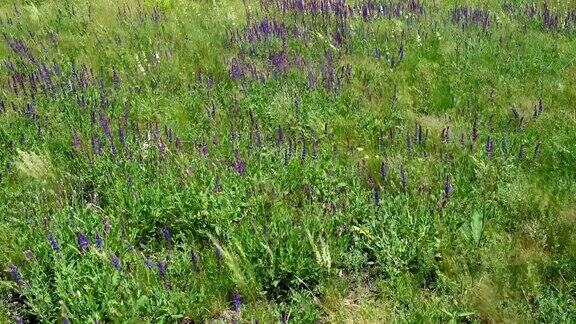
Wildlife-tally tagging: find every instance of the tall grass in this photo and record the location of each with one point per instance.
(176, 161)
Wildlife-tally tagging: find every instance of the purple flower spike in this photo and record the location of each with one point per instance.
(106, 225)
(116, 262)
(447, 187)
(149, 264)
(116, 78)
(99, 241)
(237, 301)
(162, 269)
(383, 171)
(537, 149)
(82, 241)
(194, 258)
(489, 147)
(15, 273)
(53, 242)
(166, 233)
(474, 134)
(403, 177)
(377, 195)
(239, 164)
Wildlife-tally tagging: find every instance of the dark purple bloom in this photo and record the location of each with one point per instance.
(15, 273)
(237, 301)
(116, 262)
(194, 258)
(116, 79)
(166, 233)
(239, 164)
(474, 135)
(99, 241)
(162, 269)
(149, 264)
(82, 241)
(489, 147)
(377, 195)
(383, 171)
(106, 225)
(521, 152)
(446, 134)
(408, 140)
(537, 149)
(235, 69)
(53, 242)
(447, 187)
(403, 177)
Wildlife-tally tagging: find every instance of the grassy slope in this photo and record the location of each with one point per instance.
(406, 260)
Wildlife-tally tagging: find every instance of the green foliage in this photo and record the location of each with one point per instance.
(347, 182)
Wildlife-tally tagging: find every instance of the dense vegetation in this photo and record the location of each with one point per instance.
(288, 161)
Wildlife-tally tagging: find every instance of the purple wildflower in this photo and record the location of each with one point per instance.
(149, 264)
(521, 152)
(239, 164)
(194, 258)
(106, 225)
(383, 171)
(53, 242)
(166, 233)
(116, 262)
(537, 149)
(82, 241)
(237, 301)
(162, 269)
(447, 187)
(116, 79)
(99, 241)
(489, 147)
(235, 69)
(403, 177)
(15, 273)
(377, 195)
(474, 135)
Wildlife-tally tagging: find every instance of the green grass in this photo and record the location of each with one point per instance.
(298, 234)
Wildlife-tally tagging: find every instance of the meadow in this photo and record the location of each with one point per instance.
(288, 161)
